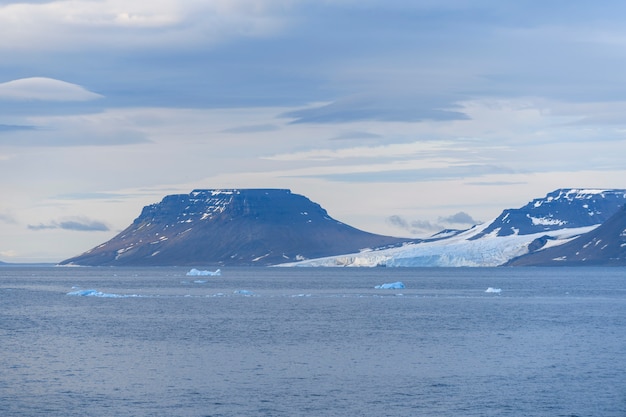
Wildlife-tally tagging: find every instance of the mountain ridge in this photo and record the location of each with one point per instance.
(603, 246)
(559, 209)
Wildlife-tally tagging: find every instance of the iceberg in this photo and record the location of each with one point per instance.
(196, 272)
(96, 293)
(493, 290)
(243, 292)
(391, 286)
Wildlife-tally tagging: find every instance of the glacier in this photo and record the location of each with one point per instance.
(461, 250)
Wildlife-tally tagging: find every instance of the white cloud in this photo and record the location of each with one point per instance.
(46, 89)
(398, 150)
(76, 224)
(7, 218)
(91, 13)
(62, 25)
(10, 253)
(459, 218)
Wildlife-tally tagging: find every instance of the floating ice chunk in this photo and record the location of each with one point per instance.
(494, 290)
(85, 293)
(200, 281)
(243, 292)
(391, 286)
(96, 293)
(196, 272)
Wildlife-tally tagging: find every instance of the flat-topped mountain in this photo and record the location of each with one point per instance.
(231, 227)
(603, 246)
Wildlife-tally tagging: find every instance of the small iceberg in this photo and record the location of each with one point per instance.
(391, 286)
(96, 293)
(493, 290)
(243, 292)
(197, 272)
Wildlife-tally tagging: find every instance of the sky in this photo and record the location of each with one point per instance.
(398, 117)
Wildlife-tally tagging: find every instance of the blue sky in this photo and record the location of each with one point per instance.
(397, 117)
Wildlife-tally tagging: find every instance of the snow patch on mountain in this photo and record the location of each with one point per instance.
(545, 221)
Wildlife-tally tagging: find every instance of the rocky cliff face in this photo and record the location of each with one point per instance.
(230, 227)
(603, 246)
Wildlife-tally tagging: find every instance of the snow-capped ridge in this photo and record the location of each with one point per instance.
(604, 245)
(562, 208)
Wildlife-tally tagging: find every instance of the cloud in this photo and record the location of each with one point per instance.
(78, 224)
(9, 253)
(80, 24)
(415, 175)
(414, 227)
(417, 227)
(378, 152)
(459, 218)
(252, 129)
(13, 128)
(398, 221)
(91, 196)
(7, 218)
(68, 138)
(357, 136)
(74, 130)
(46, 89)
(379, 107)
(496, 183)
(69, 17)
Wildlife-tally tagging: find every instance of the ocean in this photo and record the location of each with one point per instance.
(313, 342)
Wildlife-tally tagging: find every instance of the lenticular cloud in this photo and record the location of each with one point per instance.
(45, 89)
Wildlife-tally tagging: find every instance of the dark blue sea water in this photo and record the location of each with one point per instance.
(313, 342)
